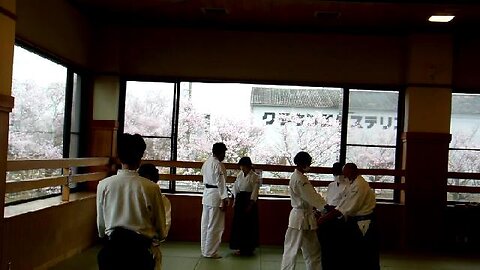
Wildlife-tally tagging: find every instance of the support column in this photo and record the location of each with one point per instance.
(7, 41)
(104, 125)
(426, 139)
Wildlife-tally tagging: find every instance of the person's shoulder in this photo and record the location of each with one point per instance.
(332, 184)
(106, 181)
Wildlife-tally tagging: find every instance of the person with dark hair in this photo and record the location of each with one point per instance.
(331, 235)
(244, 234)
(215, 201)
(302, 226)
(357, 208)
(150, 172)
(130, 213)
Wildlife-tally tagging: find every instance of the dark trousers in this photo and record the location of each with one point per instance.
(126, 250)
(364, 249)
(244, 234)
(333, 243)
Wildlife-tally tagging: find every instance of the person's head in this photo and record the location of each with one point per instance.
(130, 150)
(149, 171)
(350, 171)
(218, 150)
(337, 168)
(303, 160)
(245, 164)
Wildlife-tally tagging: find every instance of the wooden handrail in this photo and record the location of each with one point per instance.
(277, 181)
(86, 177)
(464, 175)
(35, 183)
(32, 164)
(270, 168)
(463, 189)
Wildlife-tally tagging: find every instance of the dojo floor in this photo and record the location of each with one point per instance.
(186, 256)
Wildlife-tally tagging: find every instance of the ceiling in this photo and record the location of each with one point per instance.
(278, 15)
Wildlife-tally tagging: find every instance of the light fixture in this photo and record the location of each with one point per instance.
(441, 18)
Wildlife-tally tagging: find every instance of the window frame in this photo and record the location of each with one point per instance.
(464, 92)
(69, 85)
(344, 124)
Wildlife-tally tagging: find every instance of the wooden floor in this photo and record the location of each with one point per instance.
(186, 256)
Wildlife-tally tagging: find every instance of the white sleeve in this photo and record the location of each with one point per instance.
(236, 188)
(351, 203)
(220, 174)
(160, 219)
(100, 217)
(309, 194)
(256, 187)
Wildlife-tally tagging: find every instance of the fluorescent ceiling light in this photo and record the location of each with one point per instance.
(441, 18)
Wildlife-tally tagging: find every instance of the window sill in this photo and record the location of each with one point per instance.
(24, 208)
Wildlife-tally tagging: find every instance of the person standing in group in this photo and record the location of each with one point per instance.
(302, 225)
(357, 208)
(130, 213)
(215, 201)
(331, 234)
(244, 234)
(150, 172)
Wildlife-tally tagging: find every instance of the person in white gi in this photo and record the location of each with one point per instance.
(301, 231)
(357, 208)
(150, 171)
(130, 213)
(215, 201)
(336, 189)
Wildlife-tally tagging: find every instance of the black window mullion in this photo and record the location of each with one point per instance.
(121, 106)
(67, 120)
(344, 126)
(399, 148)
(174, 137)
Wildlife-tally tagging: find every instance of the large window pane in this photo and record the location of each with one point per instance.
(465, 143)
(149, 112)
(371, 157)
(465, 129)
(372, 125)
(149, 108)
(268, 123)
(37, 120)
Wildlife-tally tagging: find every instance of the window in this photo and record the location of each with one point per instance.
(372, 133)
(37, 120)
(148, 112)
(268, 123)
(465, 144)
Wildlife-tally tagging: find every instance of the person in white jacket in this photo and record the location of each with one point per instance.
(302, 225)
(215, 201)
(130, 213)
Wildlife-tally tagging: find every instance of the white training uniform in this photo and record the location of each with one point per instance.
(132, 202)
(336, 190)
(247, 183)
(213, 219)
(302, 225)
(358, 200)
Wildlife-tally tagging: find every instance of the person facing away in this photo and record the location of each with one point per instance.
(130, 213)
(150, 172)
(214, 201)
(357, 208)
(302, 226)
(244, 234)
(331, 234)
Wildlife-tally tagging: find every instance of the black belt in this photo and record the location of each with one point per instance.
(210, 186)
(125, 237)
(365, 217)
